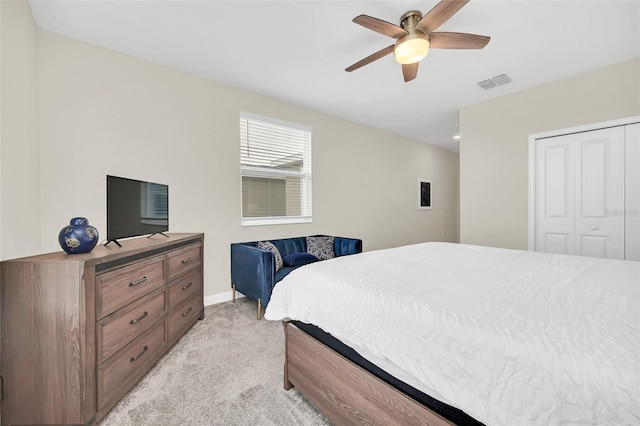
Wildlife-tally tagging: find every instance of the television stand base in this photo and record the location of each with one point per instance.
(113, 241)
(155, 233)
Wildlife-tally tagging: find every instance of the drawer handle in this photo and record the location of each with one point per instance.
(187, 313)
(135, 283)
(139, 319)
(135, 358)
(187, 260)
(186, 287)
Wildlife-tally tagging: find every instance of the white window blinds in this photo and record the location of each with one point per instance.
(275, 158)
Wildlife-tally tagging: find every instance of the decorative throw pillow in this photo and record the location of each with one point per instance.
(321, 247)
(268, 245)
(299, 259)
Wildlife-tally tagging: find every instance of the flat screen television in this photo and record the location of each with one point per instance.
(135, 208)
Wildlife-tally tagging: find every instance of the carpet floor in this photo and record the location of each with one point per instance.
(227, 370)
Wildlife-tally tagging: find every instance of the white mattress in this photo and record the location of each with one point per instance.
(510, 337)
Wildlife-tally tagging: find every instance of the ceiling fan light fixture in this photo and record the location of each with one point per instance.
(416, 35)
(411, 48)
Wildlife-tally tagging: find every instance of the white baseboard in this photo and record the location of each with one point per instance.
(214, 299)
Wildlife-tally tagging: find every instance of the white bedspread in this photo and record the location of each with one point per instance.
(510, 337)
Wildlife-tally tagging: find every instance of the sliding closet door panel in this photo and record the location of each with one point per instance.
(632, 192)
(555, 199)
(600, 193)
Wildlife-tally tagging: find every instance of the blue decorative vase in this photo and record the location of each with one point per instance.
(78, 237)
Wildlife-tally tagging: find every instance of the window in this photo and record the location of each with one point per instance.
(275, 159)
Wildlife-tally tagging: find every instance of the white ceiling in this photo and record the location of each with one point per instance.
(297, 50)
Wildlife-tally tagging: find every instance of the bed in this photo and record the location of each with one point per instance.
(504, 336)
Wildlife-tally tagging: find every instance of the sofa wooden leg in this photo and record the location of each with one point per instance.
(233, 293)
(259, 310)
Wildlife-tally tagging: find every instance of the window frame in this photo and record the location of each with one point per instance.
(259, 172)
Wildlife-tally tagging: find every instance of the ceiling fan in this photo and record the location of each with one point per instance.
(415, 36)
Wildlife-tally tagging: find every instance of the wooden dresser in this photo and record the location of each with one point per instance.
(78, 331)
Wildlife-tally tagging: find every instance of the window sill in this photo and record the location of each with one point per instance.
(259, 221)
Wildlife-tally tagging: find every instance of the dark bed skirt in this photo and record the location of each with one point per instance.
(452, 414)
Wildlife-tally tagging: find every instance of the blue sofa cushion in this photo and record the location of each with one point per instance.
(346, 246)
(321, 247)
(268, 245)
(290, 245)
(299, 259)
(283, 273)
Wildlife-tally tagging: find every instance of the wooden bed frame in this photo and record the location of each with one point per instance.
(343, 391)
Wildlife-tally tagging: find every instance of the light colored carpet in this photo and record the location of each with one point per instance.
(227, 370)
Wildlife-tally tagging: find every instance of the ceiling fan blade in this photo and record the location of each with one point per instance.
(380, 26)
(446, 40)
(439, 15)
(379, 54)
(410, 71)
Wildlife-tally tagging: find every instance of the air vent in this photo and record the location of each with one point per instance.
(501, 79)
(492, 82)
(487, 84)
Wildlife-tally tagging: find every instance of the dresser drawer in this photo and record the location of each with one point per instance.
(184, 260)
(116, 331)
(184, 316)
(121, 371)
(122, 286)
(185, 287)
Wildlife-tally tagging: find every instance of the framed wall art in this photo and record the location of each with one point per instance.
(425, 195)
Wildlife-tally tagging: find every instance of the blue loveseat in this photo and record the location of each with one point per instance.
(253, 270)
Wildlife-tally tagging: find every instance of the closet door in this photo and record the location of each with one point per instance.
(555, 195)
(632, 192)
(600, 193)
(580, 194)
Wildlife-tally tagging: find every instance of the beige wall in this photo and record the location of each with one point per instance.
(19, 147)
(102, 112)
(494, 145)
